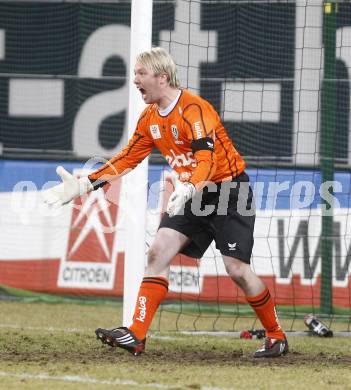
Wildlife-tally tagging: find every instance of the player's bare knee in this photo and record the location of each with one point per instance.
(158, 264)
(154, 254)
(237, 276)
(237, 272)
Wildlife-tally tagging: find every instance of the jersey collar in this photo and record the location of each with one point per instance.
(167, 110)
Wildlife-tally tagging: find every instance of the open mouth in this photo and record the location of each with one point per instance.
(143, 92)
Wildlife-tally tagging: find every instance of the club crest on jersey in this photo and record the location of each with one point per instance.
(155, 132)
(175, 131)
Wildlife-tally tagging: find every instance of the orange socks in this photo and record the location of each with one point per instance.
(264, 308)
(154, 289)
(151, 293)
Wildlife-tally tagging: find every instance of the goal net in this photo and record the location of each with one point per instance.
(278, 74)
(261, 65)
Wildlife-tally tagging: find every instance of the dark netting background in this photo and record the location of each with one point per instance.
(258, 63)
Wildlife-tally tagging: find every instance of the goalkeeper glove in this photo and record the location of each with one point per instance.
(179, 197)
(70, 188)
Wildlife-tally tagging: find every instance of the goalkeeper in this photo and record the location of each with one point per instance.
(189, 133)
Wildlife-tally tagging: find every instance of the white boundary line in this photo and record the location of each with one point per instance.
(45, 329)
(90, 380)
(237, 334)
(156, 335)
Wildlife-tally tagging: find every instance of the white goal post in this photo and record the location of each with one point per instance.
(135, 183)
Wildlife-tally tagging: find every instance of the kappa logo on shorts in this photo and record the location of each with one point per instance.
(232, 247)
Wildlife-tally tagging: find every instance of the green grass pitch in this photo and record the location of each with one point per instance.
(53, 346)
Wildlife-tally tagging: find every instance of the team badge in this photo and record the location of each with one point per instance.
(155, 132)
(175, 131)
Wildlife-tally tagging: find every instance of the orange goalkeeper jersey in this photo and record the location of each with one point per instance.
(191, 138)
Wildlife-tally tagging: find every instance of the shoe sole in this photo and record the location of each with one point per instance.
(271, 356)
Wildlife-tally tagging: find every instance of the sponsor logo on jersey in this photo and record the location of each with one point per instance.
(181, 160)
(142, 309)
(155, 132)
(198, 130)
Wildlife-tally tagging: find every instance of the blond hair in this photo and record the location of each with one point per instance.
(160, 62)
